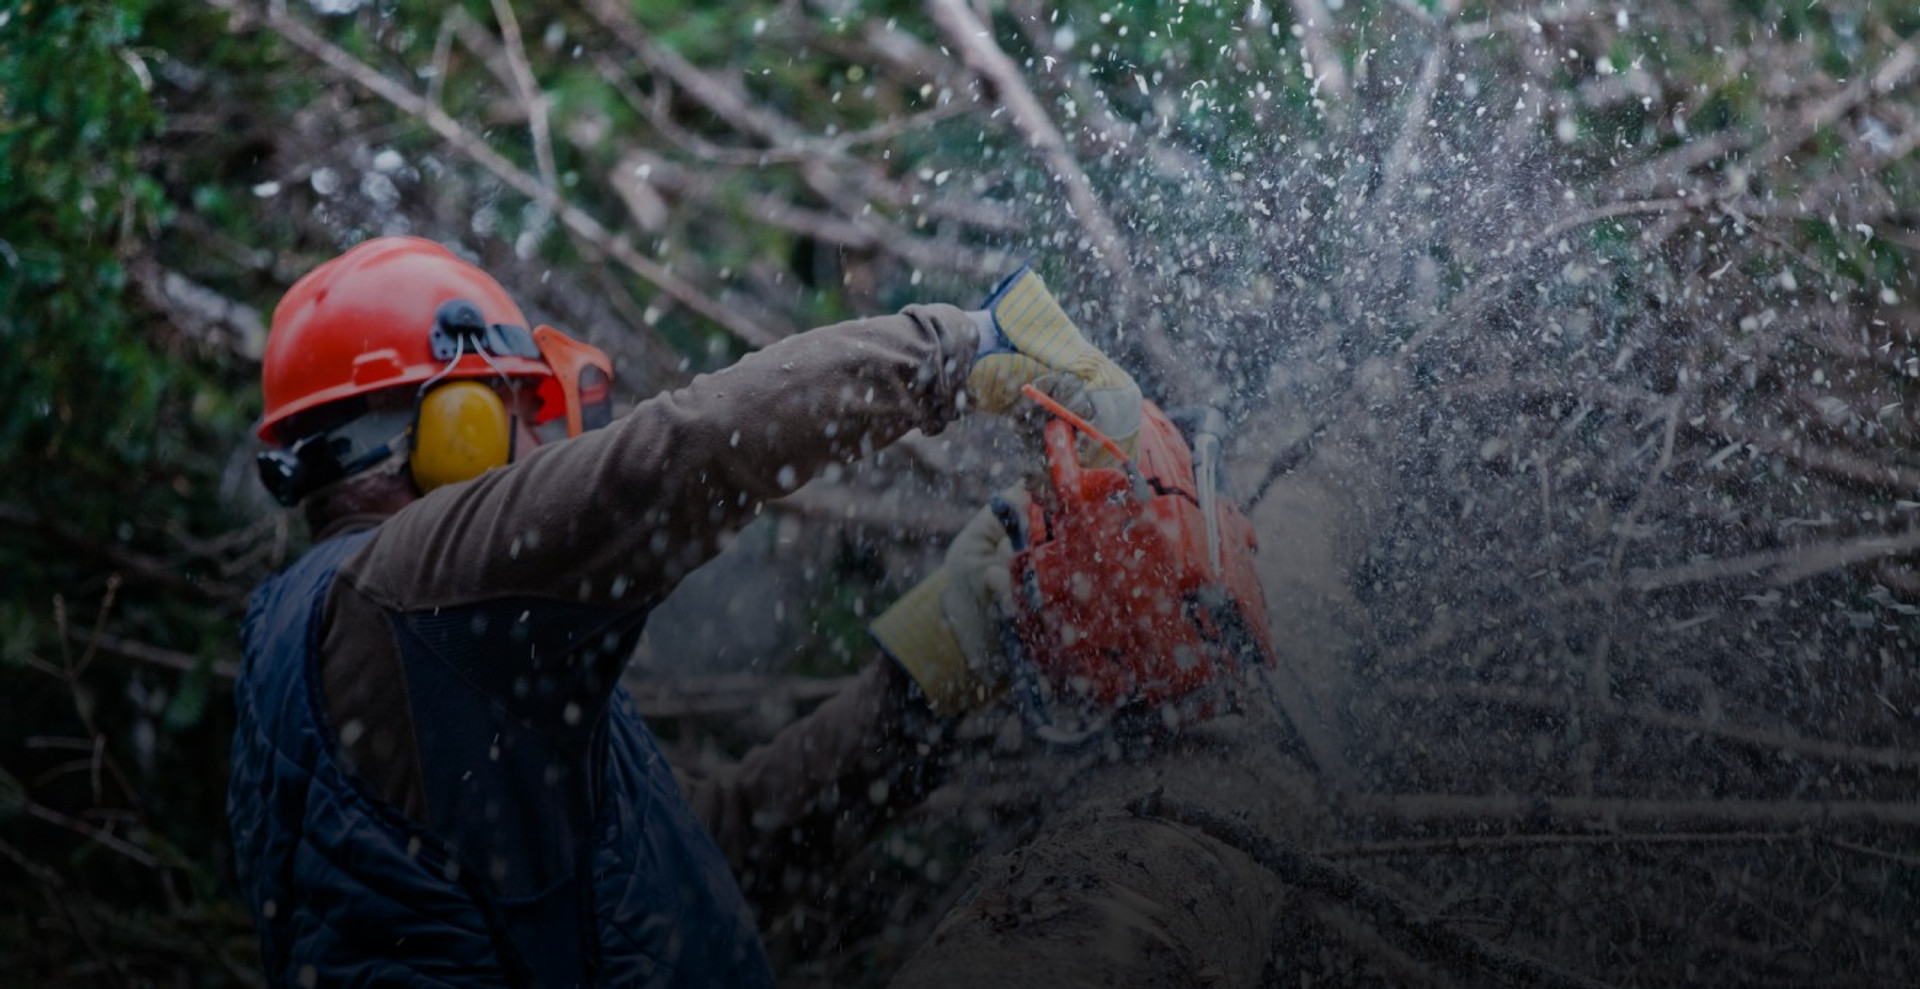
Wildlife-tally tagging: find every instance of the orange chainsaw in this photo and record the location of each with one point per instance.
(1135, 593)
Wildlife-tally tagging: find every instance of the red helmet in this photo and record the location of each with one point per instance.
(375, 317)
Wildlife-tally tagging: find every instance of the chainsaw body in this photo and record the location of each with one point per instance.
(1126, 594)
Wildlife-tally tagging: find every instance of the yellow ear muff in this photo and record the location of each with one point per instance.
(462, 430)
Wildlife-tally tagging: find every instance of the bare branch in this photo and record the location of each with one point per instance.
(531, 97)
(1777, 740)
(726, 100)
(1102, 238)
(1696, 815)
(442, 51)
(204, 315)
(966, 32)
(1100, 123)
(1910, 861)
(1779, 567)
(1796, 129)
(300, 36)
(1297, 867)
(1523, 23)
(1521, 843)
(861, 233)
(1329, 69)
(1411, 136)
(729, 695)
(125, 562)
(151, 655)
(100, 836)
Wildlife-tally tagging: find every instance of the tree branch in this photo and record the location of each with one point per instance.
(1778, 740)
(151, 655)
(297, 33)
(535, 101)
(1102, 238)
(1584, 812)
(1297, 867)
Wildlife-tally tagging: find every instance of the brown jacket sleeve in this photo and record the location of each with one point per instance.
(617, 517)
(622, 514)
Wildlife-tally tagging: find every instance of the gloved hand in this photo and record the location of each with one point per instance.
(946, 631)
(1024, 337)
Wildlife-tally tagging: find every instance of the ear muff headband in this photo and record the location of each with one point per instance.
(461, 430)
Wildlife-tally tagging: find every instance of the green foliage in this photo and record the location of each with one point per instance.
(114, 433)
(69, 191)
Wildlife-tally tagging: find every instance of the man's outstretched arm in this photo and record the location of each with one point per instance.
(619, 516)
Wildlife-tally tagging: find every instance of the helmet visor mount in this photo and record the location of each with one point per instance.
(459, 328)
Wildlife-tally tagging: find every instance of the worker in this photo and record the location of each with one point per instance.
(437, 777)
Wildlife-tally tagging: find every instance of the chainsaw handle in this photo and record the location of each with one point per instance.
(1008, 516)
(1030, 698)
(1049, 403)
(1063, 461)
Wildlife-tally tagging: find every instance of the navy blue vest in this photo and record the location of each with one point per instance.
(623, 885)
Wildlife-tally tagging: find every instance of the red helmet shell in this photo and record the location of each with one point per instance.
(363, 322)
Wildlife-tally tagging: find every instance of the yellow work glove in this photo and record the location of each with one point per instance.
(946, 632)
(1024, 336)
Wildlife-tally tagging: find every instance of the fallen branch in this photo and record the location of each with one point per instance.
(1585, 812)
(1911, 861)
(1776, 567)
(1521, 843)
(1297, 867)
(726, 694)
(1778, 740)
(134, 566)
(151, 655)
